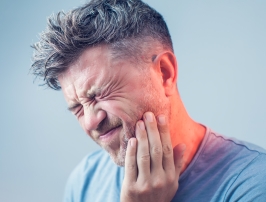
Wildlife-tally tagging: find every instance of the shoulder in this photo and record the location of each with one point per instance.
(250, 184)
(248, 163)
(241, 155)
(224, 169)
(238, 144)
(231, 149)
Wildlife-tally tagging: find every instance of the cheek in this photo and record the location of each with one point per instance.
(126, 110)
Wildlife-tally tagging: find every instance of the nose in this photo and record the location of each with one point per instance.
(93, 117)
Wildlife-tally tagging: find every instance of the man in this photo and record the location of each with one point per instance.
(115, 64)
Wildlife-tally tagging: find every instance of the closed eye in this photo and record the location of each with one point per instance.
(74, 108)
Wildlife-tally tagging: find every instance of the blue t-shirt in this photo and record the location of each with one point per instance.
(223, 169)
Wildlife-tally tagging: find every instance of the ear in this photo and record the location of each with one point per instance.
(166, 66)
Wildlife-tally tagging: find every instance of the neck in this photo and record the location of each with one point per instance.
(184, 130)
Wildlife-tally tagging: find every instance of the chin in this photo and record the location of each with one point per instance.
(119, 162)
(118, 157)
(117, 148)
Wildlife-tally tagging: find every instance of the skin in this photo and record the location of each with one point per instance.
(151, 173)
(116, 96)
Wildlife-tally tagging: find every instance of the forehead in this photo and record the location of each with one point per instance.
(84, 65)
(93, 64)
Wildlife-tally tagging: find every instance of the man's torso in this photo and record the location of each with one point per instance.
(222, 170)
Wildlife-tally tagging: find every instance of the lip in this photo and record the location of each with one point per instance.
(106, 137)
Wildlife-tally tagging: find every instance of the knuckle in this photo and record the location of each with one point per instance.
(171, 179)
(164, 130)
(145, 189)
(145, 157)
(131, 166)
(156, 150)
(158, 184)
(167, 149)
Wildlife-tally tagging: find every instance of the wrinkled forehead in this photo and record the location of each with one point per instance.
(76, 73)
(91, 63)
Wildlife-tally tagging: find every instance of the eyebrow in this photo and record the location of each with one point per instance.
(93, 92)
(72, 107)
(90, 94)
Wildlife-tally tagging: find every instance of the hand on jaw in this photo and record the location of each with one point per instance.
(151, 168)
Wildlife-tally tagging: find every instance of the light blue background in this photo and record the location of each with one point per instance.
(221, 51)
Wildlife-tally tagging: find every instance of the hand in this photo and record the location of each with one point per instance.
(151, 170)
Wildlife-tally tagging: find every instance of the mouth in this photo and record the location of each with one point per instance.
(109, 133)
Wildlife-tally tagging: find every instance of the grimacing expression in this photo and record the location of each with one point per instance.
(108, 96)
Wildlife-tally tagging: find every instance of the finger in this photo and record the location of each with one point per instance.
(130, 161)
(179, 151)
(167, 159)
(154, 142)
(143, 153)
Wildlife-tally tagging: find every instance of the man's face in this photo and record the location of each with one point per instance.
(108, 96)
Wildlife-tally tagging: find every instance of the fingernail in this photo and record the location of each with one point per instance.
(141, 125)
(132, 142)
(149, 117)
(161, 119)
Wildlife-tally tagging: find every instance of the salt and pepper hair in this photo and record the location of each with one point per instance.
(124, 25)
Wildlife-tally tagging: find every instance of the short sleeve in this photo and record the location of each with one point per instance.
(250, 185)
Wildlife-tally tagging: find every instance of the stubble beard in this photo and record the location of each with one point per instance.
(153, 102)
(119, 156)
(158, 106)
(127, 132)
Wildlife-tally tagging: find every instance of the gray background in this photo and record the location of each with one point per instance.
(220, 47)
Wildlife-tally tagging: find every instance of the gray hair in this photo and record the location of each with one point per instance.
(121, 24)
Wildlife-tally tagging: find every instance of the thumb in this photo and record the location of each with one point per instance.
(179, 151)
